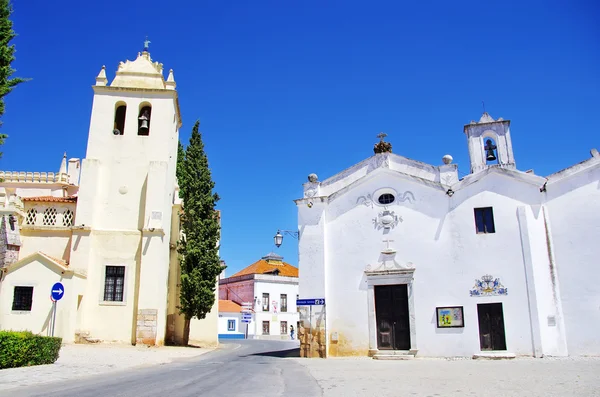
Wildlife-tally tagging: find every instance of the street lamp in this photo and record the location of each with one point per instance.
(279, 237)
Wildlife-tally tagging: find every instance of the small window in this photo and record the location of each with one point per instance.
(50, 216)
(283, 303)
(22, 299)
(68, 218)
(484, 220)
(265, 328)
(144, 120)
(31, 217)
(119, 127)
(283, 327)
(265, 303)
(386, 198)
(230, 325)
(114, 283)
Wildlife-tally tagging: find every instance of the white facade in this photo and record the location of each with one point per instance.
(427, 241)
(106, 227)
(271, 286)
(272, 316)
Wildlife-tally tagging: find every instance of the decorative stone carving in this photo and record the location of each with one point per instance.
(313, 178)
(368, 200)
(488, 286)
(386, 219)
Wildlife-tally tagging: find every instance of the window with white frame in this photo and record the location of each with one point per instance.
(265, 302)
(230, 325)
(114, 283)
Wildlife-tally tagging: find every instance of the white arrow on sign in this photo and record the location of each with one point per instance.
(59, 291)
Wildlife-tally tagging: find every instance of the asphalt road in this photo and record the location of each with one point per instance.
(241, 368)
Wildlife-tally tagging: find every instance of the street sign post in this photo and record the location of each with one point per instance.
(56, 292)
(310, 302)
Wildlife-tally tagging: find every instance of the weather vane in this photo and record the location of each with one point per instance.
(146, 42)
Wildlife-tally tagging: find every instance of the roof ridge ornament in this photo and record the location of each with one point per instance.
(382, 146)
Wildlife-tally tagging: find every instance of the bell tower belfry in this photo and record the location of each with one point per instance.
(125, 202)
(489, 143)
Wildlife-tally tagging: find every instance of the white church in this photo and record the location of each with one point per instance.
(106, 227)
(412, 260)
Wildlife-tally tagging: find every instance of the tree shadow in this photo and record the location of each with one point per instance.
(295, 352)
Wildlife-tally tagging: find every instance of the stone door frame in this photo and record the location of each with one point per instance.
(390, 277)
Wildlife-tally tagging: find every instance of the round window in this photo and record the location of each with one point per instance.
(386, 198)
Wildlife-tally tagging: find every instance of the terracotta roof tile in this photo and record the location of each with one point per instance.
(229, 306)
(51, 199)
(270, 264)
(55, 259)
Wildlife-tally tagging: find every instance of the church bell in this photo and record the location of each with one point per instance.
(489, 148)
(144, 125)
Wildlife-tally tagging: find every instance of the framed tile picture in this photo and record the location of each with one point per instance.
(450, 317)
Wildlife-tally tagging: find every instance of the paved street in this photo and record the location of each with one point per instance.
(270, 368)
(245, 368)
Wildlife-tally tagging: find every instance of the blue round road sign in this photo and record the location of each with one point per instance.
(57, 291)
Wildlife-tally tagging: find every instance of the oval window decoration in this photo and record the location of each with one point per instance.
(386, 198)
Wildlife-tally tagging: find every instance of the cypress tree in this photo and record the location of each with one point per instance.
(7, 55)
(198, 248)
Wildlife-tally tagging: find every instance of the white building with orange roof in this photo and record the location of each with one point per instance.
(271, 286)
(105, 227)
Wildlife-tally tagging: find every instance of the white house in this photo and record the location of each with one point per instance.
(410, 259)
(105, 227)
(230, 320)
(271, 285)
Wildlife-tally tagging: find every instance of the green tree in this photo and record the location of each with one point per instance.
(198, 248)
(7, 55)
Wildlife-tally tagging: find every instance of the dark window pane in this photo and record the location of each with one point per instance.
(114, 283)
(22, 298)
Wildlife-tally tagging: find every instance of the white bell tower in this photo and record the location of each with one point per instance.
(489, 143)
(125, 200)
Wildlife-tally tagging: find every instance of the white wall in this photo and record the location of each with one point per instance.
(40, 275)
(437, 234)
(574, 205)
(240, 328)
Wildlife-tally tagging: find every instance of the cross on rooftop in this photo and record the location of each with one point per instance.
(388, 243)
(381, 135)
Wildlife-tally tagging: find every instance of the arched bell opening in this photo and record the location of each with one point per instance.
(490, 151)
(120, 113)
(144, 119)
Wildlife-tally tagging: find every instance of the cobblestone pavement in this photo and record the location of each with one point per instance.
(353, 377)
(84, 360)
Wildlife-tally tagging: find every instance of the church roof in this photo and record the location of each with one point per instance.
(270, 264)
(59, 264)
(229, 306)
(51, 199)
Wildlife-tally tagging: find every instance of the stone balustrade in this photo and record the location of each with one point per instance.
(33, 177)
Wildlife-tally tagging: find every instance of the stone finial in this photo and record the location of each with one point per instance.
(170, 83)
(313, 178)
(101, 79)
(594, 153)
(447, 159)
(63, 165)
(382, 146)
(486, 118)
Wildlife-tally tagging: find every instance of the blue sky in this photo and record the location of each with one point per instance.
(287, 88)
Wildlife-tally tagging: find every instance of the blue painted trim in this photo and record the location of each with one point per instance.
(231, 336)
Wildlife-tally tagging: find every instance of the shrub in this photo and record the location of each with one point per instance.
(23, 348)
